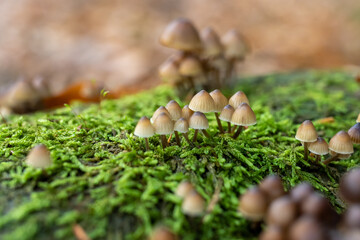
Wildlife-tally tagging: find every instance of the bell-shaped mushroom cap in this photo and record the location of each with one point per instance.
(202, 102)
(198, 121)
(238, 98)
(193, 204)
(243, 116)
(163, 124)
(20, 93)
(354, 133)
(181, 34)
(306, 132)
(253, 204)
(352, 217)
(273, 233)
(341, 143)
(187, 112)
(219, 99)
(301, 191)
(144, 128)
(212, 46)
(316, 206)
(162, 233)
(282, 212)
(306, 228)
(227, 113)
(161, 109)
(174, 109)
(320, 147)
(235, 45)
(272, 186)
(181, 125)
(358, 119)
(184, 188)
(190, 67)
(350, 186)
(169, 72)
(39, 157)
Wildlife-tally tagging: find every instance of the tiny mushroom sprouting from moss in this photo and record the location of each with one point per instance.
(39, 157)
(184, 188)
(175, 112)
(226, 115)
(193, 204)
(220, 102)
(161, 109)
(163, 125)
(273, 233)
(319, 148)
(162, 233)
(187, 112)
(253, 204)
(350, 186)
(144, 129)
(306, 134)
(272, 186)
(341, 147)
(198, 121)
(242, 117)
(301, 191)
(237, 99)
(202, 102)
(182, 126)
(305, 228)
(282, 212)
(317, 206)
(354, 133)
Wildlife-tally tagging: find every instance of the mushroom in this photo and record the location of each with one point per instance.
(226, 115)
(238, 98)
(306, 228)
(169, 72)
(306, 133)
(162, 233)
(301, 191)
(220, 102)
(175, 112)
(193, 204)
(273, 233)
(351, 218)
(202, 102)
(340, 146)
(282, 212)
(39, 157)
(184, 188)
(198, 121)
(191, 70)
(272, 186)
(354, 133)
(161, 109)
(318, 207)
(163, 125)
(350, 186)
(253, 204)
(144, 129)
(182, 126)
(243, 116)
(187, 112)
(319, 148)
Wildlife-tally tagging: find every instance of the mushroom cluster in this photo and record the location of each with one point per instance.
(339, 147)
(203, 61)
(174, 119)
(302, 213)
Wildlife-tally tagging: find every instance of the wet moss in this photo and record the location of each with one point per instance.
(103, 179)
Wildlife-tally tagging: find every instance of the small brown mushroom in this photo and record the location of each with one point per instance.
(243, 116)
(184, 188)
(198, 121)
(193, 204)
(350, 186)
(354, 133)
(187, 112)
(220, 102)
(301, 191)
(307, 134)
(272, 186)
(341, 147)
(319, 148)
(144, 129)
(39, 157)
(163, 125)
(282, 212)
(253, 204)
(226, 115)
(237, 99)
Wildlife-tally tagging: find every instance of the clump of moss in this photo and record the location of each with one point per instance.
(103, 179)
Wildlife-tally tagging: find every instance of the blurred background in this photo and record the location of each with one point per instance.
(116, 41)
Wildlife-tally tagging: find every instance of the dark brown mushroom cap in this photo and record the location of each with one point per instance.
(354, 133)
(351, 218)
(253, 204)
(350, 186)
(273, 233)
(162, 233)
(181, 34)
(282, 212)
(301, 191)
(306, 132)
(212, 46)
(272, 186)
(341, 143)
(307, 228)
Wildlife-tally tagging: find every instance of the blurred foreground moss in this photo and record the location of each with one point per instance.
(103, 179)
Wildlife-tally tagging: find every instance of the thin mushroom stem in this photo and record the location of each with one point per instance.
(229, 127)
(306, 150)
(219, 123)
(163, 141)
(187, 139)
(169, 139)
(147, 144)
(234, 128)
(205, 133)
(318, 158)
(237, 133)
(330, 159)
(195, 135)
(177, 138)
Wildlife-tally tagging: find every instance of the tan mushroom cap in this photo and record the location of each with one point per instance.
(227, 113)
(187, 112)
(235, 45)
(162, 233)
(320, 147)
(238, 98)
(190, 67)
(243, 116)
(202, 102)
(306, 132)
(193, 204)
(341, 143)
(181, 34)
(354, 133)
(181, 125)
(220, 100)
(184, 188)
(253, 204)
(163, 124)
(174, 109)
(39, 157)
(198, 121)
(161, 109)
(212, 46)
(169, 72)
(21, 93)
(144, 128)
(358, 118)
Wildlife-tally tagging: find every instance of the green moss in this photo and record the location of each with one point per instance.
(103, 179)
